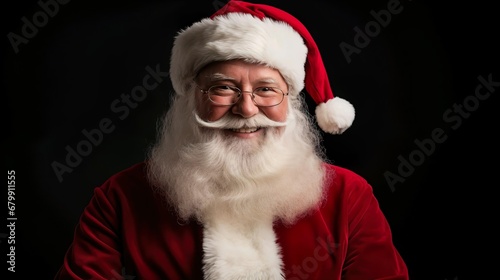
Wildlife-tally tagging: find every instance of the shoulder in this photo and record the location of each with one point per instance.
(346, 183)
(344, 176)
(132, 175)
(349, 193)
(129, 182)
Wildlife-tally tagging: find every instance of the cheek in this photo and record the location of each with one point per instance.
(278, 113)
(209, 112)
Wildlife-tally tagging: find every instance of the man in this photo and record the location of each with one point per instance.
(237, 186)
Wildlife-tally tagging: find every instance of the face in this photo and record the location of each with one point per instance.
(247, 77)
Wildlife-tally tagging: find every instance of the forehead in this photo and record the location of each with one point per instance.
(228, 69)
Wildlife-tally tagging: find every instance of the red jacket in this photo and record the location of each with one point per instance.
(126, 232)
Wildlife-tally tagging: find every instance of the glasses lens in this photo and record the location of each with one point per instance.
(223, 95)
(262, 96)
(268, 96)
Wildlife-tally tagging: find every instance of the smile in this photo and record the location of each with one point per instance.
(245, 129)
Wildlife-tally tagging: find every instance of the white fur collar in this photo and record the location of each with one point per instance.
(237, 250)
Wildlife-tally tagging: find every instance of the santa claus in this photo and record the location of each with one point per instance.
(237, 185)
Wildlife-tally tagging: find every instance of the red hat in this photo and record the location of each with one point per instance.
(263, 34)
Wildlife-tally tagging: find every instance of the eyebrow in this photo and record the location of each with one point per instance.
(218, 77)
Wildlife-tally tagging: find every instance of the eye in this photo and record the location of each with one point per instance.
(266, 91)
(223, 90)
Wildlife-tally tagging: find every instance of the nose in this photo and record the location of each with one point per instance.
(245, 106)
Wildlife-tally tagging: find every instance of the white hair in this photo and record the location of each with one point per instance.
(198, 169)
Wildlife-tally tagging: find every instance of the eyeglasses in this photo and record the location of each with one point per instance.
(229, 95)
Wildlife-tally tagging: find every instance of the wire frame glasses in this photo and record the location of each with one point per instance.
(229, 95)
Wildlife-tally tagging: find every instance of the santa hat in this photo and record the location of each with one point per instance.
(263, 34)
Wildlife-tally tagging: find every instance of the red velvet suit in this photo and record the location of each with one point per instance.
(127, 231)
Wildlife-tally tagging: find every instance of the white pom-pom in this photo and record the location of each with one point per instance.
(335, 116)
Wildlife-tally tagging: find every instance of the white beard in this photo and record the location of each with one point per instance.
(198, 169)
(237, 188)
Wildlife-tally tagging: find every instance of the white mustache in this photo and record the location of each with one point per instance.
(230, 122)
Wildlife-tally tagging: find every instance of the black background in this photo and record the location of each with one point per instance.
(426, 60)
